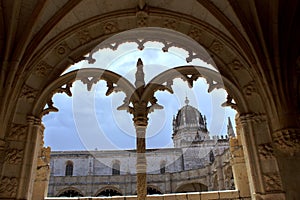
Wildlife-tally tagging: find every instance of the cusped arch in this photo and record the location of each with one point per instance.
(70, 192)
(152, 190)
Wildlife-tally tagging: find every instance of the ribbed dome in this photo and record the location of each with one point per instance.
(189, 117)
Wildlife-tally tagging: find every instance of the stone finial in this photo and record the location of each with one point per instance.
(230, 130)
(139, 75)
(187, 101)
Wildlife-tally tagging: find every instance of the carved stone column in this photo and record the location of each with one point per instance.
(141, 162)
(40, 188)
(31, 150)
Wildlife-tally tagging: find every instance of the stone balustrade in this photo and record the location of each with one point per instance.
(216, 195)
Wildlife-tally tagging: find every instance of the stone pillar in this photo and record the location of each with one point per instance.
(141, 162)
(40, 188)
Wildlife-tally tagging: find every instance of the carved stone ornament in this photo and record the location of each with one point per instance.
(272, 182)
(83, 36)
(17, 132)
(216, 46)
(287, 141)
(229, 102)
(142, 19)
(43, 69)
(28, 93)
(252, 117)
(236, 65)
(14, 156)
(195, 33)
(171, 24)
(266, 151)
(110, 27)
(62, 48)
(249, 89)
(8, 187)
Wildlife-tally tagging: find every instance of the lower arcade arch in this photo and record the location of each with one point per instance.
(108, 192)
(191, 187)
(70, 192)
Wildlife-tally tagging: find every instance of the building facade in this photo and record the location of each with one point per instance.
(198, 162)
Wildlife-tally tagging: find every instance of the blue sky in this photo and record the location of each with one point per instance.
(90, 120)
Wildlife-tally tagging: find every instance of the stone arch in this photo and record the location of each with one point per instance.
(59, 53)
(70, 191)
(191, 187)
(152, 190)
(109, 190)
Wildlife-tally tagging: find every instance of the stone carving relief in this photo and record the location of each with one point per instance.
(266, 151)
(195, 33)
(236, 65)
(229, 102)
(216, 46)
(287, 141)
(62, 48)
(272, 182)
(110, 27)
(18, 132)
(8, 186)
(170, 23)
(14, 156)
(142, 19)
(83, 36)
(252, 117)
(43, 69)
(249, 89)
(28, 93)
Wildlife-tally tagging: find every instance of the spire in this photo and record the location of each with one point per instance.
(187, 101)
(230, 131)
(139, 75)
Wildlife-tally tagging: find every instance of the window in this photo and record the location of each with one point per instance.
(69, 168)
(116, 168)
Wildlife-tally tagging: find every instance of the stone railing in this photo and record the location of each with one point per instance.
(216, 195)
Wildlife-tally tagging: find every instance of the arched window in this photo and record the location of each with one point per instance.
(69, 168)
(151, 190)
(163, 167)
(70, 193)
(109, 193)
(116, 168)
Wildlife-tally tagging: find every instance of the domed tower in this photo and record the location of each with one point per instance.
(189, 126)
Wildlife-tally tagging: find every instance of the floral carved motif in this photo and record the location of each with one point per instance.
(287, 140)
(8, 187)
(110, 27)
(170, 23)
(216, 47)
(43, 69)
(272, 182)
(266, 151)
(195, 33)
(18, 132)
(14, 156)
(142, 19)
(28, 93)
(83, 36)
(62, 48)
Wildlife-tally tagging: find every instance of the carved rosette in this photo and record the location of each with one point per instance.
(110, 27)
(287, 141)
(266, 151)
(272, 182)
(195, 33)
(170, 23)
(43, 69)
(216, 47)
(62, 48)
(142, 19)
(8, 187)
(18, 132)
(83, 36)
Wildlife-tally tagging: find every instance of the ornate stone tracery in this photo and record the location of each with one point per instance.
(287, 141)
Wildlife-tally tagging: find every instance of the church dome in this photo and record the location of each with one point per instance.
(189, 117)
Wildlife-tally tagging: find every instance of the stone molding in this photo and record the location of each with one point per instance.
(266, 151)
(8, 187)
(14, 156)
(272, 182)
(245, 118)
